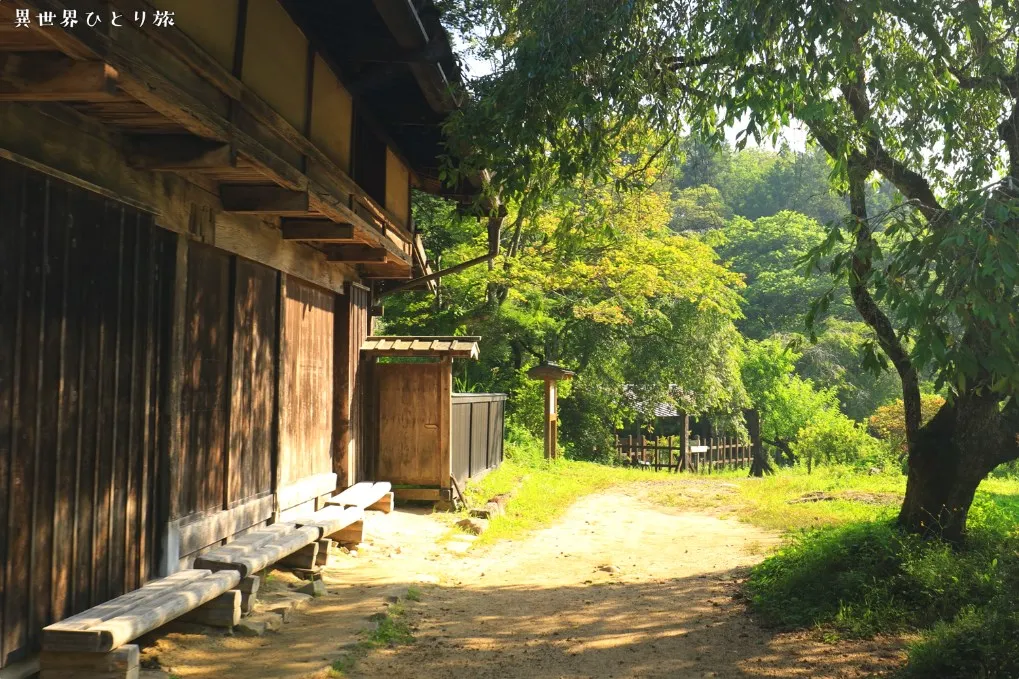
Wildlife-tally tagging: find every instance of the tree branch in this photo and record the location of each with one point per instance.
(873, 316)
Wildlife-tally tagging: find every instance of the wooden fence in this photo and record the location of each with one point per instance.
(477, 434)
(668, 453)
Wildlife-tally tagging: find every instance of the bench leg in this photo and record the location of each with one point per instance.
(385, 505)
(249, 592)
(351, 535)
(122, 663)
(223, 611)
(324, 547)
(303, 558)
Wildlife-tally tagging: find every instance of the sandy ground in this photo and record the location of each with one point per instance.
(618, 587)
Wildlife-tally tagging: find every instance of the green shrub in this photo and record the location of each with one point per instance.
(866, 578)
(832, 438)
(978, 644)
(522, 446)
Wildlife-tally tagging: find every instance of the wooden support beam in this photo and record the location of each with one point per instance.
(122, 662)
(263, 200)
(321, 230)
(418, 494)
(351, 535)
(304, 558)
(175, 153)
(223, 611)
(385, 505)
(47, 76)
(358, 254)
(325, 546)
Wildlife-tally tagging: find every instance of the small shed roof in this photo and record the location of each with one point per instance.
(549, 371)
(453, 347)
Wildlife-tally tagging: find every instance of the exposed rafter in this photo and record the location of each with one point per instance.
(264, 200)
(47, 76)
(319, 230)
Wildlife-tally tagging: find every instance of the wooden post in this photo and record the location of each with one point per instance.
(171, 470)
(550, 420)
(629, 448)
(684, 442)
(671, 456)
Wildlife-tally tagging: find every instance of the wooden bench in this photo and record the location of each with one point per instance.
(331, 519)
(366, 495)
(257, 549)
(91, 644)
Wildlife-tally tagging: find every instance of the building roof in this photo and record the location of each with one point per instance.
(452, 347)
(398, 62)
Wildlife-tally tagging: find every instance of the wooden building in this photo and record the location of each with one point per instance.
(193, 219)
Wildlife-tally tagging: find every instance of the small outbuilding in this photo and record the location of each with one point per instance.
(409, 438)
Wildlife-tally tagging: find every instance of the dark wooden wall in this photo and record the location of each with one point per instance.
(84, 306)
(205, 395)
(256, 303)
(228, 391)
(477, 433)
(353, 321)
(306, 388)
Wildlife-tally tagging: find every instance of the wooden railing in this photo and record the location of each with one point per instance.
(670, 453)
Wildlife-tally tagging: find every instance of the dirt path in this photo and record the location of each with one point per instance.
(617, 588)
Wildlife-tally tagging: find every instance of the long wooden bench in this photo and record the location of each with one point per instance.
(331, 519)
(257, 549)
(366, 495)
(110, 625)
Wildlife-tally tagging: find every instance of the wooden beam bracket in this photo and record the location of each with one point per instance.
(319, 230)
(179, 152)
(263, 200)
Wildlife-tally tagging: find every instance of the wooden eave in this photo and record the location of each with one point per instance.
(148, 84)
(421, 347)
(549, 371)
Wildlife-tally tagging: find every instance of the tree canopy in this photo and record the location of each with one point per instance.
(924, 96)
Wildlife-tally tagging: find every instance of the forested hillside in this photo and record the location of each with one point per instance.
(683, 277)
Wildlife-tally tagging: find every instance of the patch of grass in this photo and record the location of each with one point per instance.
(544, 491)
(766, 501)
(858, 575)
(866, 578)
(413, 594)
(391, 629)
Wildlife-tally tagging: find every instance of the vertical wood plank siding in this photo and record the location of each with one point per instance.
(254, 368)
(228, 397)
(84, 295)
(477, 433)
(205, 398)
(352, 320)
(306, 398)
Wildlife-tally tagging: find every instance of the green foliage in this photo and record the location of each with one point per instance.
(787, 403)
(832, 438)
(521, 445)
(862, 579)
(595, 279)
(888, 422)
(698, 208)
(768, 252)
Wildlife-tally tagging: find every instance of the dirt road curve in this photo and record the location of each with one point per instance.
(617, 588)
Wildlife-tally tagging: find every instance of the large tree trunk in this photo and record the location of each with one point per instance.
(949, 458)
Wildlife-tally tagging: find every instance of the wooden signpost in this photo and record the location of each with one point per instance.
(551, 374)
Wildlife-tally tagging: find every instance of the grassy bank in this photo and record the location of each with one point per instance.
(845, 569)
(848, 571)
